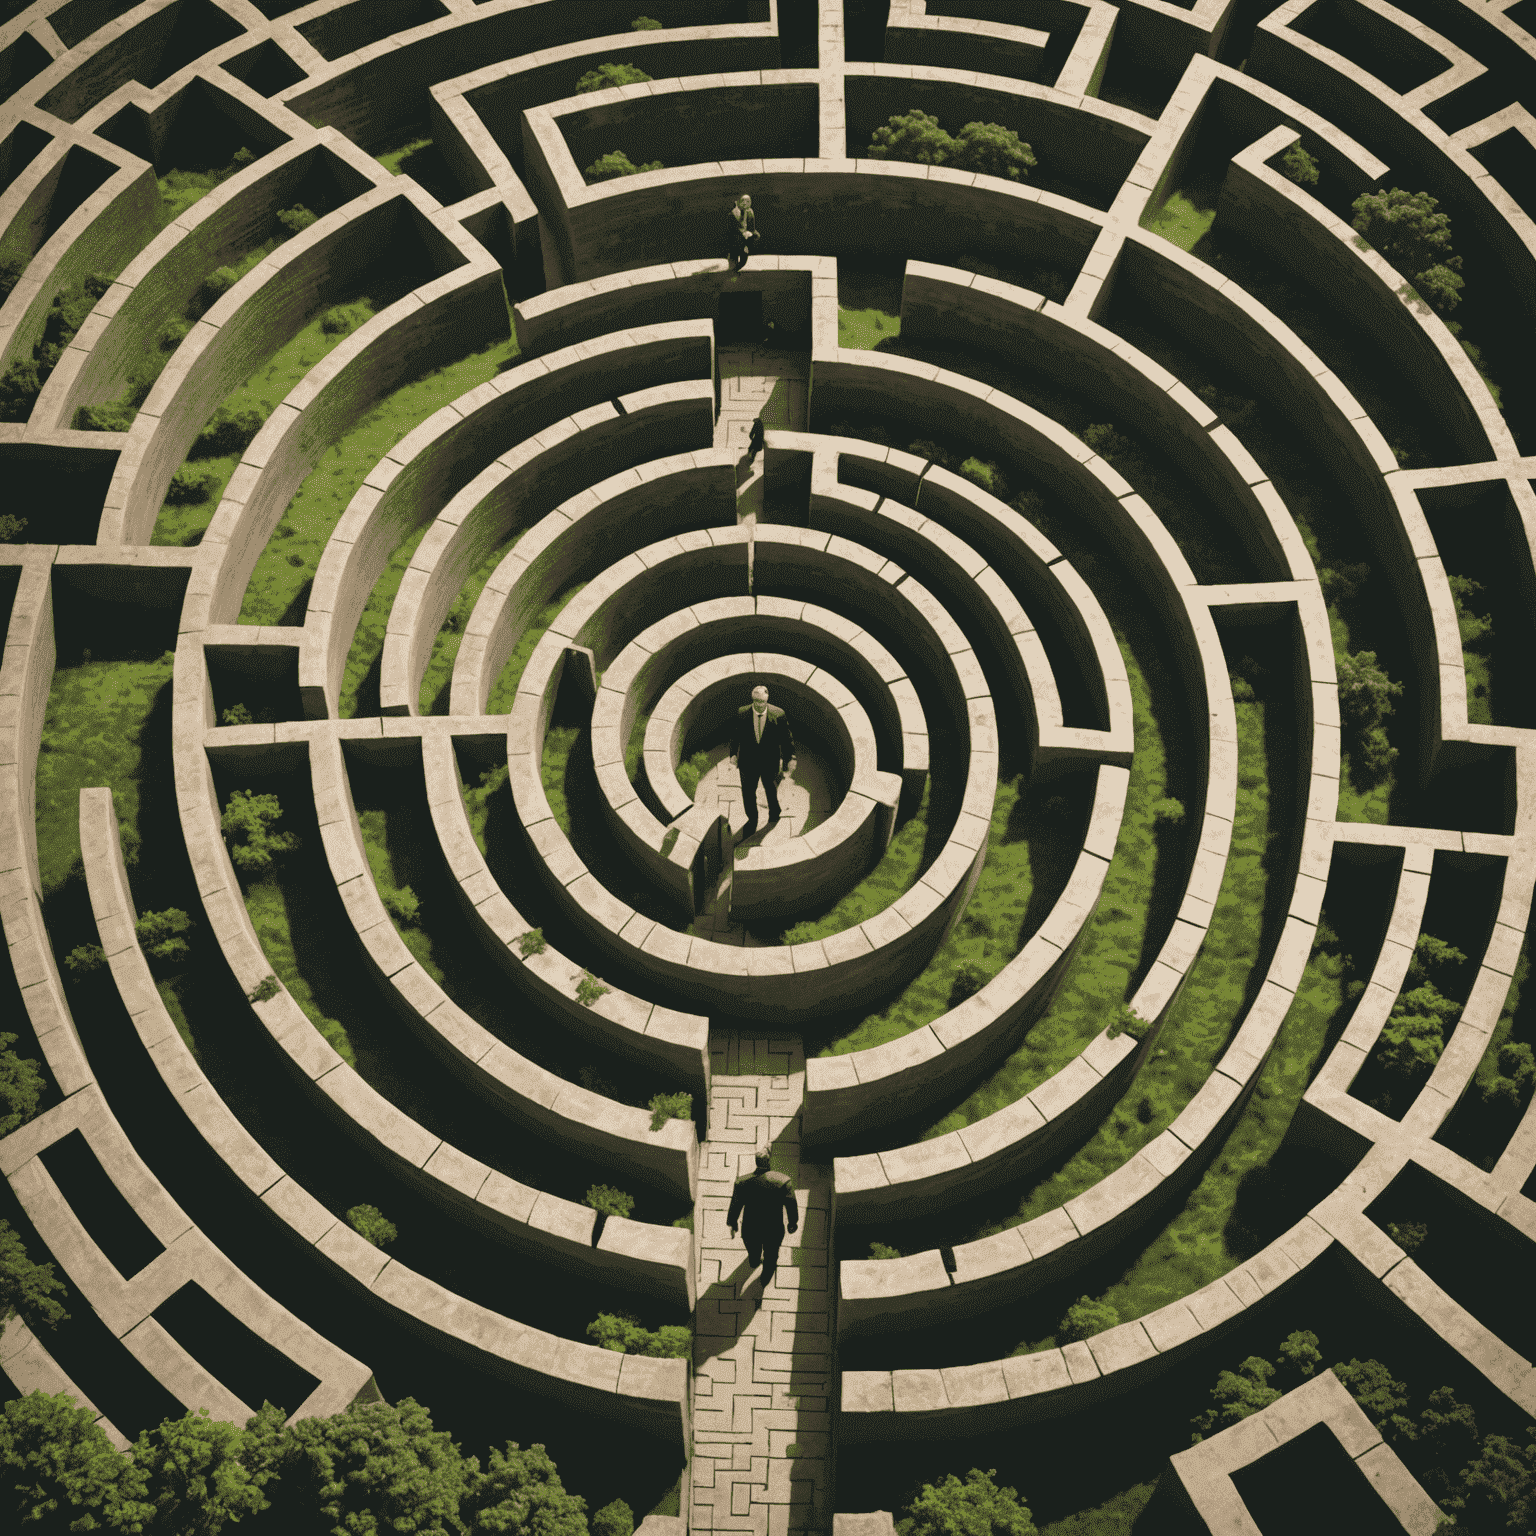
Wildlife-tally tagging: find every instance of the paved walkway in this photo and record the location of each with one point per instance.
(757, 381)
(762, 1359)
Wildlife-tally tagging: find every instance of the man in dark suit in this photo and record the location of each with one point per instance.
(763, 750)
(760, 1202)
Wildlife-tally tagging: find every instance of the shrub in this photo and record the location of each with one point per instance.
(267, 987)
(987, 475)
(644, 24)
(609, 1201)
(1110, 445)
(403, 906)
(10, 527)
(992, 150)
(914, 137)
(12, 265)
(1371, 1385)
(294, 221)
(236, 714)
(976, 1507)
(214, 287)
(110, 416)
(1126, 1021)
(615, 1519)
(1235, 1395)
(20, 385)
(531, 943)
(1084, 1318)
(1168, 809)
(26, 1287)
(883, 1251)
(689, 774)
(1300, 166)
(1515, 1077)
(61, 1473)
(1299, 1354)
(173, 334)
(1414, 1035)
(190, 487)
(343, 319)
(589, 989)
(617, 163)
(686, 1222)
(670, 1106)
(1410, 1236)
(85, 958)
(162, 935)
(229, 431)
(369, 1222)
(926, 448)
(1406, 230)
(1365, 700)
(247, 825)
(670, 1342)
(606, 76)
(21, 1086)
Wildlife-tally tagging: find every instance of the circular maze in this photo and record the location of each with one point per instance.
(1135, 986)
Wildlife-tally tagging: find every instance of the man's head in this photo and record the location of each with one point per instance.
(764, 1162)
(759, 700)
(743, 201)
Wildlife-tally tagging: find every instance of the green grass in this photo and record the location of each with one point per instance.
(170, 995)
(895, 874)
(267, 902)
(983, 941)
(1101, 970)
(504, 690)
(865, 329)
(1200, 1022)
(1181, 221)
(1114, 1517)
(558, 746)
(436, 681)
(96, 712)
(288, 563)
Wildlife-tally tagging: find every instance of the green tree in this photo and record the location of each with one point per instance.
(26, 1287)
(83, 959)
(1497, 1491)
(1443, 1439)
(992, 150)
(1084, 1318)
(20, 385)
(1110, 445)
(976, 1507)
(1414, 1035)
(10, 525)
(1513, 1082)
(21, 1086)
(58, 1470)
(1372, 1385)
(236, 714)
(670, 1342)
(883, 1251)
(1300, 166)
(617, 163)
(190, 487)
(230, 431)
(162, 935)
(606, 76)
(1365, 700)
(294, 221)
(912, 136)
(618, 1331)
(610, 1201)
(1235, 1395)
(371, 1470)
(669, 1106)
(1299, 1354)
(987, 475)
(645, 24)
(1410, 1236)
(247, 824)
(402, 905)
(370, 1222)
(197, 1481)
(520, 1494)
(1405, 228)
(615, 1519)
(12, 265)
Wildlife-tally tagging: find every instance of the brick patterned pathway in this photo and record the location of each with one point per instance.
(756, 381)
(762, 1360)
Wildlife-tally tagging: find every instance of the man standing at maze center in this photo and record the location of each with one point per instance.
(759, 1201)
(762, 749)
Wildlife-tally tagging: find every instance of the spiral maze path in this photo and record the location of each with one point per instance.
(371, 458)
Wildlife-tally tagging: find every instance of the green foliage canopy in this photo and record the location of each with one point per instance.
(606, 76)
(976, 1507)
(247, 823)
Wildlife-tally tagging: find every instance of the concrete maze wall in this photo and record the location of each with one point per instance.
(1078, 963)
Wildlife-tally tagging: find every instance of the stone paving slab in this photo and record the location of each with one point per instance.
(762, 1356)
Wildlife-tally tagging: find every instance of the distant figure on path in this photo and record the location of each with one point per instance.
(763, 749)
(759, 1202)
(743, 232)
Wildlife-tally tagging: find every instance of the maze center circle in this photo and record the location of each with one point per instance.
(1107, 430)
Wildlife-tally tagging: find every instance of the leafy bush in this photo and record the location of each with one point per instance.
(1410, 1236)
(247, 825)
(369, 1222)
(1372, 1385)
(10, 527)
(589, 989)
(531, 943)
(294, 221)
(606, 76)
(1109, 444)
(402, 905)
(1235, 1395)
(1126, 1022)
(1168, 809)
(1365, 700)
(987, 475)
(686, 1222)
(1414, 1035)
(689, 773)
(1084, 1318)
(609, 1201)
(883, 1251)
(162, 935)
(617, 163)
(20, 385)
(12, 265)
(622, 1333)
(56, 1463)
(343, 319)
(989, 149)
(644, 24)
(926, 448)
(236, 714)
(670, 1106)
(85, 958)
(190, 487)
(267, 987)
(1299, 1354)
(173, 333)
(976, 1507)
(914, 137)
(1516, 1075)
(1300, 166)
(1406, 230)
(230, 431)
(26, 1287)
(110, 416)
(21, 1086)
(615, 1519)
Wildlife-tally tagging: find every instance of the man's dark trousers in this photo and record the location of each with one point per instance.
(761, 1201)
(761, 761)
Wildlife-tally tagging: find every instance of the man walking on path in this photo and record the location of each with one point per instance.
(759, 1202)
(762, 749)
(743, 232)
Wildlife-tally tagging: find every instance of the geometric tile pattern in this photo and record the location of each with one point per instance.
(762, 1358)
